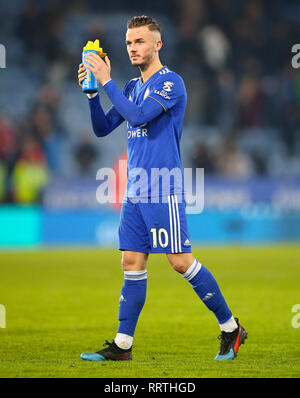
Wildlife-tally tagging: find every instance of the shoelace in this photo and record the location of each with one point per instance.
(107, 343)
(225, 341)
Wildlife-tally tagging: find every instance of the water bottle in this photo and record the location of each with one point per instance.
(90, 84)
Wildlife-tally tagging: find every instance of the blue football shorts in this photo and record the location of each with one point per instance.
(154, 227)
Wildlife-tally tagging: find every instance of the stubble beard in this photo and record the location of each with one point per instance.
(144, 64)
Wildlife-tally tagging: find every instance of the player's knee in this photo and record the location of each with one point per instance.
(178, 267)
(177, 264)
(180, 262)
(133, 261)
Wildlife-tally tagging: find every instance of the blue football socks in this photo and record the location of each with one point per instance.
(132, 299)
(133, 296)
(206, 287)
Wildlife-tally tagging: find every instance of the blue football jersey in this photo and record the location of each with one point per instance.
(153, 152)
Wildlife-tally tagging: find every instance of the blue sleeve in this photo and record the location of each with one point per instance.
(136, 115)
(103, 123)
(168, 89)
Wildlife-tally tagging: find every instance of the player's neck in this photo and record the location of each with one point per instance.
(149, 70)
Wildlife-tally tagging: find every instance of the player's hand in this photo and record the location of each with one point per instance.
(101, 69)
(81, 74)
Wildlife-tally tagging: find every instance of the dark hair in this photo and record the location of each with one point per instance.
(143, 20)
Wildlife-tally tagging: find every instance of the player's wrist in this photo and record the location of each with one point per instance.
(106, 81)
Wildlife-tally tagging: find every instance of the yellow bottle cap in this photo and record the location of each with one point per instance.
(94, 46)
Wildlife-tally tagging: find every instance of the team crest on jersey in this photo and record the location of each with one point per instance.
(168, 86)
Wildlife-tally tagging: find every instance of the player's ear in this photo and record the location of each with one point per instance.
(159, 45)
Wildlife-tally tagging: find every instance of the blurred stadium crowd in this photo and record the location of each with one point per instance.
(243, 114)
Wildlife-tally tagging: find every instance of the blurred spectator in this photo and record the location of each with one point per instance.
(190, 10)
(30, 27)
(44, 131)
(226, 97)
(289, 122)
(30, 174)
(50, 97)
(203, 157)
(215, 46)
(52, 40)
(250, 102)
(96, 29)
(8, 137)
(191, 14)
(232, 162)
(40, 28)
(8, 147)
(85, 154)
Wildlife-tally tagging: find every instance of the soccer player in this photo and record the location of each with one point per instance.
(153, 219)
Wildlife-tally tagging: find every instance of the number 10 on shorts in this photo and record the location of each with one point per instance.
(159, 236)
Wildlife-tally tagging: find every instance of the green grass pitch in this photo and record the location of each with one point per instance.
(61, 302)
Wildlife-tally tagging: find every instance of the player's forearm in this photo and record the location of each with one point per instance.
(136, 115)
(102, 123)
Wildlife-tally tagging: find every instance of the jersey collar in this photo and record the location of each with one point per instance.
(151, 77)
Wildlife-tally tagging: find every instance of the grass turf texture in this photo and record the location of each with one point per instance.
(60, 303)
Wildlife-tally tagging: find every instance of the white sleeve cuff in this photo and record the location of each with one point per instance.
(106, 82)
(90, 96)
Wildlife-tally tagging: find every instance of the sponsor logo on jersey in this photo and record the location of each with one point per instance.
(162, 93)
(137, 133)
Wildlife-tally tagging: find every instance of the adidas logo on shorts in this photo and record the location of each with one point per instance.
(122, 298)
(187, 243)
